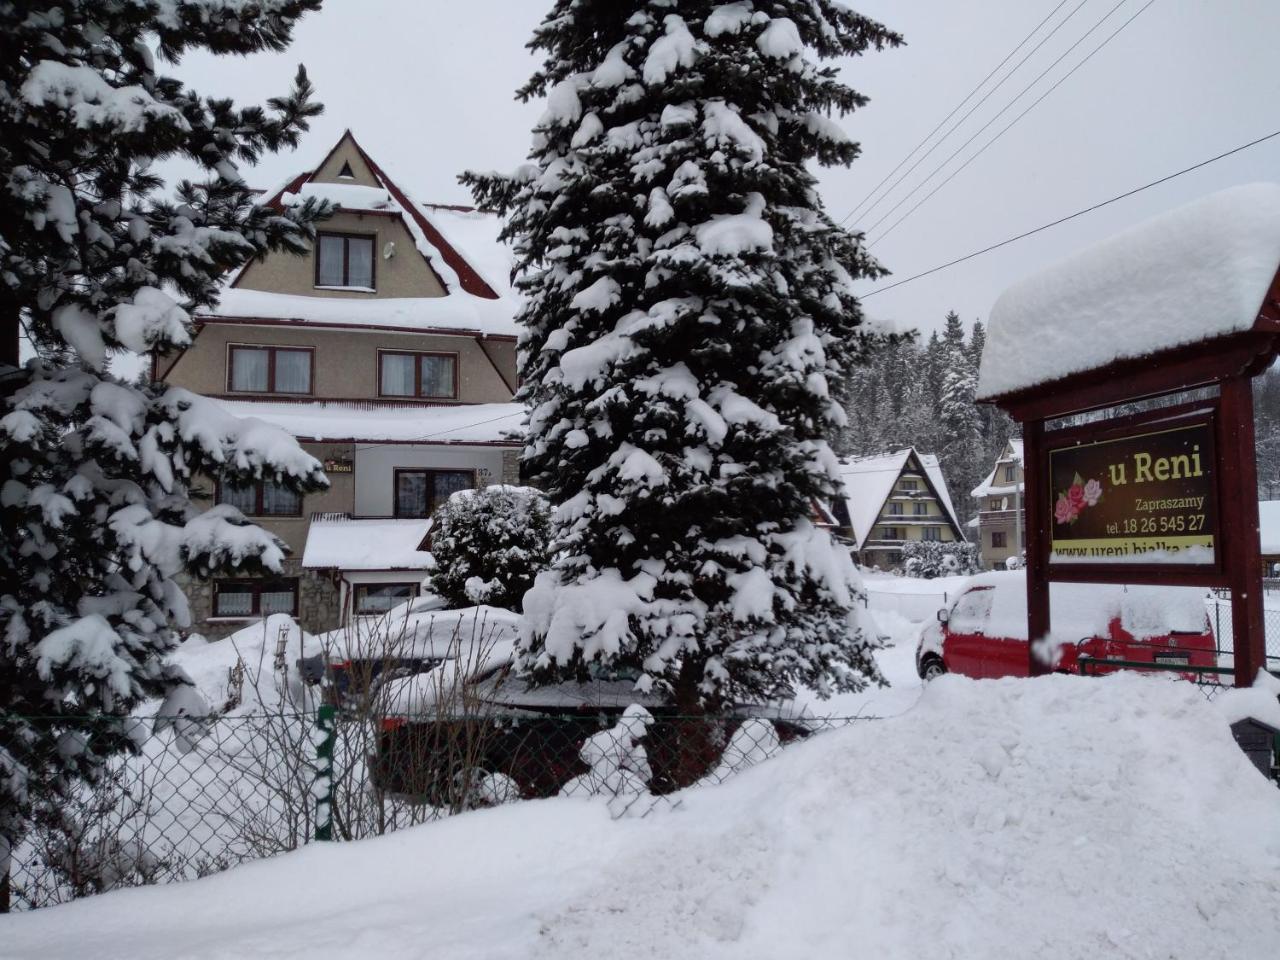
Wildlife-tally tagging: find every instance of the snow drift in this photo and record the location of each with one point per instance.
(1059, 818)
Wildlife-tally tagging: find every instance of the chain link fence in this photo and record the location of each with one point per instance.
(208, 793)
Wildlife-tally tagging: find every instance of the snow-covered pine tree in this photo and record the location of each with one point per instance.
(688, 307)
(962, 451)
(95, 520)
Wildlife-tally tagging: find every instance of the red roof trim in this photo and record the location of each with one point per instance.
(467, 276)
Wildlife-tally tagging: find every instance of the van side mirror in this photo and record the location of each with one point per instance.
(944, 615)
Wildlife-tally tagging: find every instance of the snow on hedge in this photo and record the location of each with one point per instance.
(1195, 273)
(1060, 818)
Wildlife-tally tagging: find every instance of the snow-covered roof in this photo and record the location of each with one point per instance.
(338, 541)
(869, 480)
(1269, 527)
(1012, 454)
(345, 196)
(362, 421)
(475, 233)
(461, 245)
(456, 313)
(1195, 273)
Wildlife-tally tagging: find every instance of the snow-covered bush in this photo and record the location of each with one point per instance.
(487, 546)
(928, 559)
(618, 762)
(1016, 563)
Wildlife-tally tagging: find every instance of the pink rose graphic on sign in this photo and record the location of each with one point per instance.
(1081, 495)
(1062, 511)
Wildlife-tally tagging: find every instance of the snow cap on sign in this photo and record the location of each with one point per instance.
(1195, 273)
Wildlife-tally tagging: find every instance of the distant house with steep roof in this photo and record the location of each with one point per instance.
(892, 499)
(389, 352)
(1001, 521)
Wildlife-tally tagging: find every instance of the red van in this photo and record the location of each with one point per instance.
(983, 633)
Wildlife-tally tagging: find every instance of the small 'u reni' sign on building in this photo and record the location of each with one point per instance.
(1129, 365)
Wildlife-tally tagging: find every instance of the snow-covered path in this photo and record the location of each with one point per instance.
(1057, 818)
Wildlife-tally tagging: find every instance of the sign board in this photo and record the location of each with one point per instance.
(337, 466)
(1148, 496)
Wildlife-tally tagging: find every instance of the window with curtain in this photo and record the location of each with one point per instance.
(262, 499)
(344, 260)
(420, 492)
(437, 376)
(250, 369)
(397, 377)
(920, 509)
(403, 374)
(244, 499)
(373, 599)
(932, 533)
(255, 598)
(278, 501)
(270, 369)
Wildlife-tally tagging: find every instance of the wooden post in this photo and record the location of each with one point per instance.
(1238, 527)
(1035, 502)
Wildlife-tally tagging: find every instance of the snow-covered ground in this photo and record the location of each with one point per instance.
(1058, 818)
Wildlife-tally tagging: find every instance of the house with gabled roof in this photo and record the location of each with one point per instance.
(389, 351)
(893, 498)
(1001, 523)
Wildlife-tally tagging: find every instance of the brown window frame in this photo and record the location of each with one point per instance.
(999, 540)
(932, 535)
(909, 484)
(395, 487)
(259, 498)
(1010, 474)
(417, 374)
(346, 260)
(271, 349)
(919, 509)
(893, 533)
(256, 585)
(362, 588)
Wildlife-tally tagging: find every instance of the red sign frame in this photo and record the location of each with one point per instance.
(1204, 412)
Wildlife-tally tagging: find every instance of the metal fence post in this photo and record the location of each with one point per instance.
(322, 789)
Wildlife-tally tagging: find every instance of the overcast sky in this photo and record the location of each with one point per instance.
(427, 88)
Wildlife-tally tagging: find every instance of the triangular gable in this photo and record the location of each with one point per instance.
(369, 173)
(938, 485)
(868, 482)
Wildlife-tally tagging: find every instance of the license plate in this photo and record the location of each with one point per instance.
(1173, 659)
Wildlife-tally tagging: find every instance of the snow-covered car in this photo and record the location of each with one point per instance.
(358, 663)
(983, 633)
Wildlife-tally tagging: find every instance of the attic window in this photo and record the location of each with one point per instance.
(345, 173)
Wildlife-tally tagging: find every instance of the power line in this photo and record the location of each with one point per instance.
(957, 107)
(932, 173)
(1007, 127)
(1073, 216)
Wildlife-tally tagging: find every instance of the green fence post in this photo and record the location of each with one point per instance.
(322, 789)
